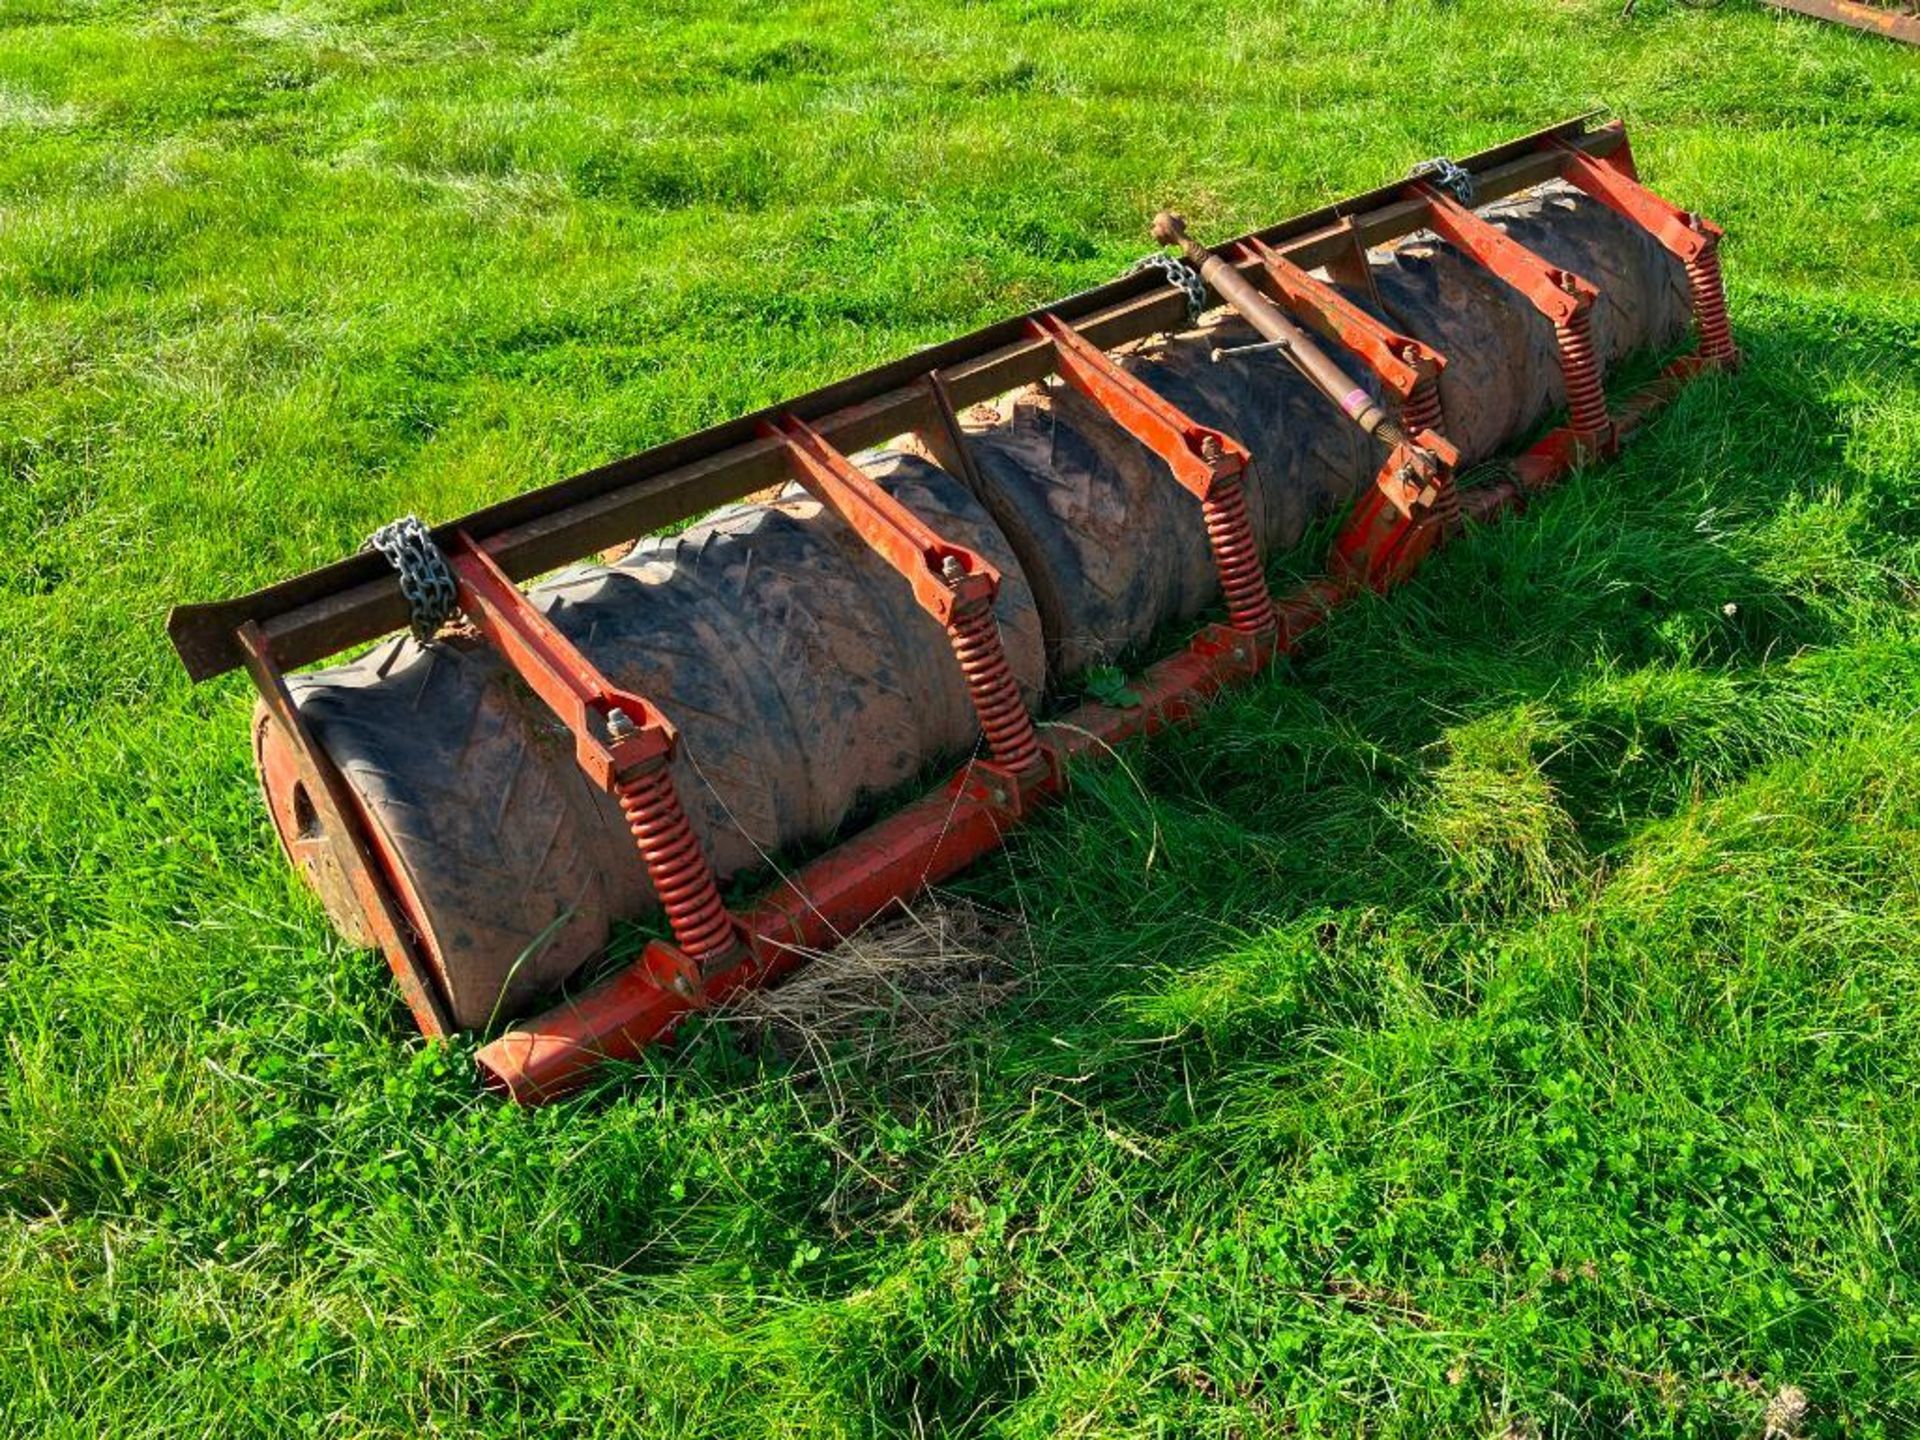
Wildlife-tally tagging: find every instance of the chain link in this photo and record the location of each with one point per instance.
(1447, 175)
(425, 580)
(1181, 276)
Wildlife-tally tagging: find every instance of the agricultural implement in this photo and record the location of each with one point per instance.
(490, 798)
(1895, 19)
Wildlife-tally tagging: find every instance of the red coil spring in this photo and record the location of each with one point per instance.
(682, 878)
(1242, 580)
(996, 699)
(1421, 410)
(1446, 507)
(1710, 305)
(1586, 399)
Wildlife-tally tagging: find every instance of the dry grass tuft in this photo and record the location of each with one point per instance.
(901, 989)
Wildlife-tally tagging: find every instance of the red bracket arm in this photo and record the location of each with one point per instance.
(624, 744)
(945, 577)
(1399, 360)
(554, 669)
(1199, 456)
(1558, 294)
(1684, 235)
(1566, 299)
(1690, 238)
(1207, 462)
(954, 584)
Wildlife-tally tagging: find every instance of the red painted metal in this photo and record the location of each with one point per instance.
(1692, 239)
(1564, 298)
(1200, 457)
(1403, 364)
(320, 613)
(1895, 21)
(622, 742)
(1413, 500)
(1411, 509)
(1396, 524)
(895, 533)
(954, 584)
(1207, 462)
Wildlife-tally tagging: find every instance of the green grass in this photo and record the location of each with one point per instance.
(1503, 1021)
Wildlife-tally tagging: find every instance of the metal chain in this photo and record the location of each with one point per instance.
(1181, 276)
(425, 580)
(1447, 175)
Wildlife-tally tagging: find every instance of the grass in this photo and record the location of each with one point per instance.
(1500, 1023)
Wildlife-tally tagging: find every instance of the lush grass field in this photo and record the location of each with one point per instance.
(1502, 1022)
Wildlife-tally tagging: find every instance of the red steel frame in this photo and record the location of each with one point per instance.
(623, 740)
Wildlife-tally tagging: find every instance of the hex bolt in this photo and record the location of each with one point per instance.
(619, 724)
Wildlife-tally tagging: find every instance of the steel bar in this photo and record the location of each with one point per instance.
(1225, 276)
(1690, 238)
(1400, 361)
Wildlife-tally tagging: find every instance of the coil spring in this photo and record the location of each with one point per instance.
(1422, 408)
(996, 699)
(1242, 580)
(1586, 398)
(682, 879)
(1710, 305)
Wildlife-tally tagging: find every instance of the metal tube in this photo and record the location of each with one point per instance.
(1295, 343)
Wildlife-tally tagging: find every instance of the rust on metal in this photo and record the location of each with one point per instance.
(1896, 22)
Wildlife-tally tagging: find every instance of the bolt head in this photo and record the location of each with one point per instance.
(620, 724)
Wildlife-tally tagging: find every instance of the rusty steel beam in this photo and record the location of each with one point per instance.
(1896, 22)
(324, 611)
